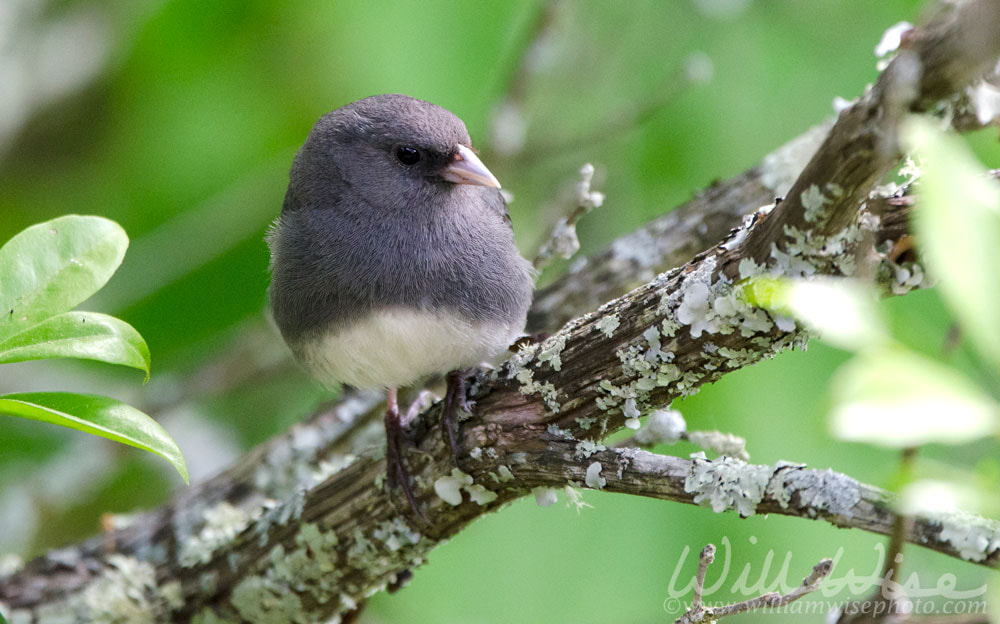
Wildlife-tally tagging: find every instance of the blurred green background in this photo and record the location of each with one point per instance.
(179, 120)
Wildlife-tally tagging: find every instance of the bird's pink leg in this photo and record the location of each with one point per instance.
(397, 473)
(454, 399)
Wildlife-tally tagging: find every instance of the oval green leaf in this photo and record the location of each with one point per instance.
(53, 266)
(897, 398)
(958, 225)
(100, 416)
(843, 311)
(84, 335)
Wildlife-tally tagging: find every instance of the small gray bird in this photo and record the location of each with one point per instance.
(394, 257)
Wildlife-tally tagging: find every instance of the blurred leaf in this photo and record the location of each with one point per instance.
(842, 311)
(958, 226)
(100, 416)
(896, 398)
(51, 267)
(84, 335)
(933, 496)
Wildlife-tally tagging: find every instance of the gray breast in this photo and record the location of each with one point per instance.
(333, 266)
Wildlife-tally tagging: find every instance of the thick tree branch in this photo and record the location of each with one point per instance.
(304, 528)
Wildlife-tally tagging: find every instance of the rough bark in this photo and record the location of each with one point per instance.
(304, 528)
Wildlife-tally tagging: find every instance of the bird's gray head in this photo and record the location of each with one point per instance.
(393, 150)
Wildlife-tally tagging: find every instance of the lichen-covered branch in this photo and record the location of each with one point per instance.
(304, 528)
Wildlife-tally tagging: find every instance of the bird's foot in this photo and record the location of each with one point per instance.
(398, 475)
(455, 399)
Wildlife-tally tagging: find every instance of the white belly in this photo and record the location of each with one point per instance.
(396, 347)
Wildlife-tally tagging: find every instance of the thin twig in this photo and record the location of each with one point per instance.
(700, 613)
(706, 559)
(562, 241)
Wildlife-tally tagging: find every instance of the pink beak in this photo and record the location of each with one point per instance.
(466, 168)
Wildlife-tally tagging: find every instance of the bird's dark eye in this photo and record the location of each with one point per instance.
(407, 155)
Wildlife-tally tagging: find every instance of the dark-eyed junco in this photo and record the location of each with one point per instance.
(394, 258)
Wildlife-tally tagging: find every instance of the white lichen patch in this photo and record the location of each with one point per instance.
(974, 537)
(223, 523)
(505, 473)
(891, 39)
(594, 479)
(449, 488)
(727, 483)
(817, 491)
(608, 324)
(545, 496)
(586, 448)
(395, 534)
(721, 443)
(662, 427)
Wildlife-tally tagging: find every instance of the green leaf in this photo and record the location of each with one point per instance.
(51, 267)
(842, 311)
(897, 398)
(958, 225)
(84, 335)
(98, 415)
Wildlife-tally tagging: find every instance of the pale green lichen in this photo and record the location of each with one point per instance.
(727, 483)
(505, 473)
(223, 523)
(586, 448)
(813, 201)
(256, 602)
(207, 616)
(126, 591)
(548, 392)
(586, 422)
(818, 491)
(480, 495)
(608, 325)
(279, 515)
(551, 349)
